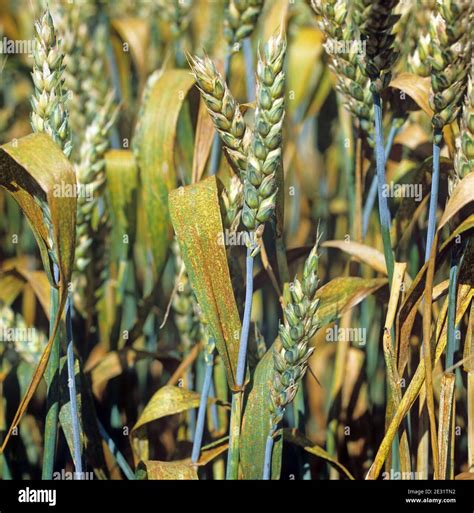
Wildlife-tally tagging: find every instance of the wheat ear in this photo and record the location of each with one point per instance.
(224, 111)
(352, 82)
(264, 154)
(290, 360)
(49, 114)
(240, 20)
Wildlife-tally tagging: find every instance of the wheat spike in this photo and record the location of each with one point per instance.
(92, 220)
(464, 158)
(264, 154)
(233, 200)
(451, 53)
(240, 20)
(352, 83)
(418, 61)
(49, 114)
(224, 111)
(176, 13)
(301, 323)
(375, 20)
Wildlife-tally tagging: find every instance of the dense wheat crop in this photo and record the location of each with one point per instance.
(236, 239)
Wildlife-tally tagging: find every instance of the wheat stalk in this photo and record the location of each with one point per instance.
(290, 361)
(240, 20)
(375, 21)
(224, 111)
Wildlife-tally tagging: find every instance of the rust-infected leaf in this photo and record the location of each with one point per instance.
(167, 470)
(40, 178)
(197, 222)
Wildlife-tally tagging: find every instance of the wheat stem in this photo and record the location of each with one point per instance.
(206, 387)
(372, 194)
(384, 212)
(434, 196)
(121, 461)
(232, 471)
(267, 464)
(72, 391)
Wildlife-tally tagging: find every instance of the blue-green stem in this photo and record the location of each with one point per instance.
(121, 461)
(384, 212)
(232, 471)
(370, 201)
(434, 195)
(237, 396)
(191, 412)
(244, 334)
(453, 285)
(216, 144)
(76, 436)
(267, 464)
(202, 412)
(52, 393)
(249, 69)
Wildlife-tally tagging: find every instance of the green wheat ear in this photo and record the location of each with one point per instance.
(49, 114)
(301, 323)
(265, 153)
(240, 20)
(176, 13)
(232, 199)
(464, 158)
(92, 220)
(352, 82)
(224, 111)
(450, 59)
